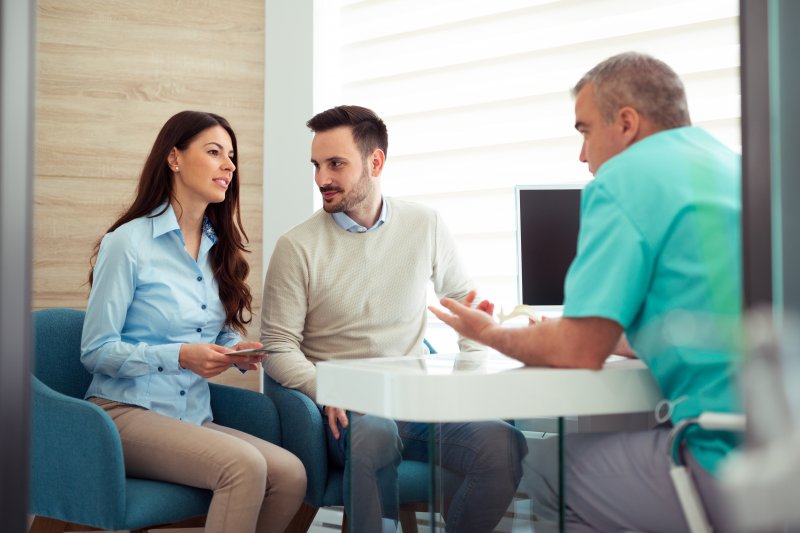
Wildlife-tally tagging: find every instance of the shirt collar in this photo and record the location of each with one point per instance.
(167, 221)
(164, 222)
(208, 230)
(348, 224)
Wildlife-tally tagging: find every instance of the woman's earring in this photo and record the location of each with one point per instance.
(176, 169)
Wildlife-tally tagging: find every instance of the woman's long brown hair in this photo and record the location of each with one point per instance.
(155, 189)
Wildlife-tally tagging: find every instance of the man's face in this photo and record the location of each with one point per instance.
(341, 174)
(601, 140)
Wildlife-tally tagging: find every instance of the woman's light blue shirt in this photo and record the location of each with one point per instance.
(148, 297)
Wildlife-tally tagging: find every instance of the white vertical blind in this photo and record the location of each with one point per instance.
(476, 97)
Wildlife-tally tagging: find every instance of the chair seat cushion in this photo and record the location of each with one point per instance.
(156, 502)
(414, 478)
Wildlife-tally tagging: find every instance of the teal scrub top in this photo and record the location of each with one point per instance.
(659, 252)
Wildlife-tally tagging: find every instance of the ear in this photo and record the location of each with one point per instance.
(172, 158)
(376, 161)
(630, 122)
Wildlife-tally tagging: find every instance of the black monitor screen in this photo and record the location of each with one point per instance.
(547, 237)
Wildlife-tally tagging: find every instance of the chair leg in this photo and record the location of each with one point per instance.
(344, 522)
(42, 524)
(302, 519)
(408, 520)
(194, 522)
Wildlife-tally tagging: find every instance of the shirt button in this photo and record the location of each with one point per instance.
(183, 393)
(203, 306)
(161, 369)
(199, 330)
(199, 278)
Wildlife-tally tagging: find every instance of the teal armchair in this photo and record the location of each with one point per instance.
(77, 469)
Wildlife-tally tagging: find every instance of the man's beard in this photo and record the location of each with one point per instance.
(361, 191)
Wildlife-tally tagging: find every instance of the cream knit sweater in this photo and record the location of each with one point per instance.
(331, 294)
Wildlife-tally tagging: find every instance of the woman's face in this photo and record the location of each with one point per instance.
(203, 171)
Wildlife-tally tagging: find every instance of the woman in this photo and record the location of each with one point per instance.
(168, 303)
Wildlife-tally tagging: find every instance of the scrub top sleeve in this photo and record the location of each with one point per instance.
(613, 267)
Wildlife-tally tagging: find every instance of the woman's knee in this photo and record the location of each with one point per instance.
(245, 466)
(286, 471)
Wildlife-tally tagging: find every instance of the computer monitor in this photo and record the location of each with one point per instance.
(548, 218)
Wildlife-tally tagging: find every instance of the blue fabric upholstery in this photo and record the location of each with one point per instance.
(77, 468)
(57, 349)
(303, 434)
(245, 410)
(429, 345)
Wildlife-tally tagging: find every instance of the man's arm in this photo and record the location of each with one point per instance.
(624, 349)
(450, 278)
(565, 342)
(283, 314)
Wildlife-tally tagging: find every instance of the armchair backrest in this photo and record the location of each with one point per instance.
(57, 351)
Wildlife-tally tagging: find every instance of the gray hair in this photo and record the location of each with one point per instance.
(642, 82)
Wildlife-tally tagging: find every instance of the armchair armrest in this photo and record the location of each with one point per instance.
(303, 434)
(245, 410)
(77, 468)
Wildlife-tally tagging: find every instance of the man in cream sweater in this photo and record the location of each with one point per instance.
(351, 282)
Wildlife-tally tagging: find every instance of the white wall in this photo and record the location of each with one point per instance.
(288, 103)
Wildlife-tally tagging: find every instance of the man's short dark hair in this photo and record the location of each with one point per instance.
(369, 131)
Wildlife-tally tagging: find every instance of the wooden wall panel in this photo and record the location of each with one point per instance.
(109, 74)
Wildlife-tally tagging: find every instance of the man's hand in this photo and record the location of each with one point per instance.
(471, 323)
(335, 414)
(484, 305)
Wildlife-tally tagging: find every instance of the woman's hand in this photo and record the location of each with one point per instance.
(209, 360)
(253, 360)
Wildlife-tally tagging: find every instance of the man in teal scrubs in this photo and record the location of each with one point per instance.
(658, 262)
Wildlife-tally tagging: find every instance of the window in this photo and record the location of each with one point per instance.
(476, 97)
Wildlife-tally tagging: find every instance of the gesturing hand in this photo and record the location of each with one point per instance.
(484, 305)
(471, 323)
(209, 360)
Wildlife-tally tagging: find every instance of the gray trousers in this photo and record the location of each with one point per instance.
(485, 456)
(613, 482)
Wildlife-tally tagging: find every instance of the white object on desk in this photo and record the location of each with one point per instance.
(520, 310)
(471, 386)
